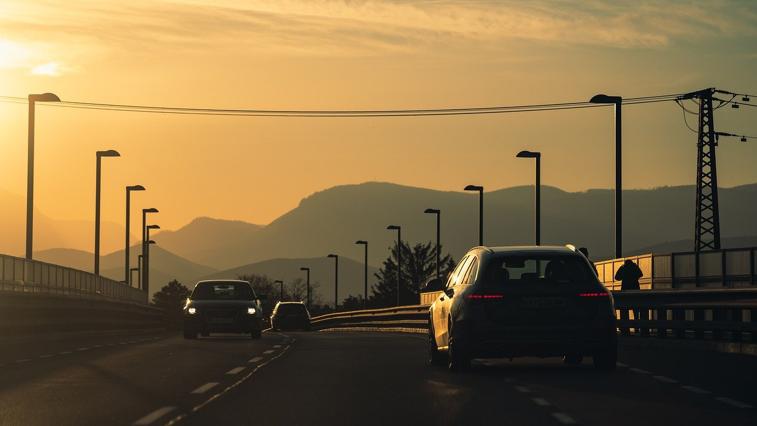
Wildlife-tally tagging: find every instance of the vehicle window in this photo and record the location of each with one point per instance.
(470, 277)
(291, 308)
(222, 291)
(451, 280)
(528, 270)
(461, 273)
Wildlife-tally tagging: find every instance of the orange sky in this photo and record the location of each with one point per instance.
(350, 55)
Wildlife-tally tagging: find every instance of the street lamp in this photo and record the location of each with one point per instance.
(399, 257)
(537, 192)
(99, 155)
(131, 274)
(144, 279)
(281, 298)
(336, 279)
(33, 99)
(128, 227)
(617, 101)
(438, 214)
(307, 288)
(480, 190)
(365, 272)
(146, 259)
(140, 265)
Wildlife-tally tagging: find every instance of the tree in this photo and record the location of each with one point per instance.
(171, 299)
(418, 266)
(352, 303)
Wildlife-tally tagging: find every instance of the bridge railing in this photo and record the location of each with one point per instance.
(702, 314)
(729, 268)
(32, 276)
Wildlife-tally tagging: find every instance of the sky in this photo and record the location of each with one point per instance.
(317, 54)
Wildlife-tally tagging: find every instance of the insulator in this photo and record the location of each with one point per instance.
(745, 99)
(735, 106)
(743, 139)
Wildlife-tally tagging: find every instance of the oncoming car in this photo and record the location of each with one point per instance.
(290, 316)
(522, 301)
(222, 306)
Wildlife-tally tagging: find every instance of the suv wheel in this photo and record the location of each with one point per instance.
(435, 356)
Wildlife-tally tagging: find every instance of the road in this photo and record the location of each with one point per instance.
(325, 378)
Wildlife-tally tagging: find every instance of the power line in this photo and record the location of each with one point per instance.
(343, 113)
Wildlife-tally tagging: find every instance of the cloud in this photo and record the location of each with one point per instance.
(50, 69)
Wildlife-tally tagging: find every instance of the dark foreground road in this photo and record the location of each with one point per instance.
(338, 379)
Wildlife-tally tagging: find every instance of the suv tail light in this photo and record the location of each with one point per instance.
(597, 294)
(477, 296)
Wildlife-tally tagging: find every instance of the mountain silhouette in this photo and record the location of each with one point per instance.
(331, 220)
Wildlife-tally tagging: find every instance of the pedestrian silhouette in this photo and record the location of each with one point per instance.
(584, 251)
(628, 274)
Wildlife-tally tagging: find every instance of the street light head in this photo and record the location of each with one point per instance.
(150, 210)
(278, 282)
(432, 211)
(605, 99)
(135, 188)
(44, 97)
(474, 188)
(304, 269)
(151, 242)
(529, 154)
(361, 242)
(153, 226)
(333, 255)
(108, 153)
(394, 227)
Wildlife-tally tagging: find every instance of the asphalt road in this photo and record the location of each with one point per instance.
(342, 379)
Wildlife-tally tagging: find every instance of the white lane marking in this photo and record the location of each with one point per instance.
(64, 353)
(121, 343)
(45, 356)
(522, 389)
(269, 351)
(540, 401)
(155, 415)
(97, 346)
(621, 365)
(204, 388)
(256, 359)
(21, 361)
(276, 346)
(82, 349)
(236, 370)
(639, 370)
(733, 402)
(564, 418)
(696, 390)
(664, 379)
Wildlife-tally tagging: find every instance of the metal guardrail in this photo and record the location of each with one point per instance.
(32, 276)
(729, 268)
(704, 314)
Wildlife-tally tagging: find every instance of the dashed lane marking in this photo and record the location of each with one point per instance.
(733, 402)
(664, 379)
(204, 388)
(696, 390)
(64, 353)
(621, 365)
(639, 370)
(155, 415)
(269, 351)
(277, 346)
(45, 356)
(236, 370)
(522, 389)
(541, 401)
(82, 349)
(256, 359)
(21, 361)
(564, 418)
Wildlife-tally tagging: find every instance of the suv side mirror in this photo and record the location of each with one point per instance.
(434, 284)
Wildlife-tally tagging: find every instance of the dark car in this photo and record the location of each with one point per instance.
(523, 301)
(290, 316)
(222, 306)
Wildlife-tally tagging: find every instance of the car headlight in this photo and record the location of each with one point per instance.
(191, 310)
(251, 311)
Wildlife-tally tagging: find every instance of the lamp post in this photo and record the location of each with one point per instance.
(141, 268)
(307, 284)
(480, 190)
(146, 259)
(131, 274)
(537, 192)
(128, 228)
(281, 297)
(144, 280)
(336, 279)
(99, 155)
(438, 214)
(617, 101)
(365, 272)
(399, 257)
(33, 99)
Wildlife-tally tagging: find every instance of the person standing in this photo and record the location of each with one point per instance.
(628, 274)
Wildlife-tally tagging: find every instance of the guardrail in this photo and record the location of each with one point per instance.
(729, 268)
(704, 314)
(32, 276)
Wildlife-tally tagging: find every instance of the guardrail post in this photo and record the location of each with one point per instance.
(679, 316)
(718, 315)
(753, 320)
(737, 318)
(699, 318)
(662, 317)
(643, 317)
(624, 330)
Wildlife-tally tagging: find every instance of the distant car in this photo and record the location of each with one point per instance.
(223, 306)
(290, 316)
(523, 301)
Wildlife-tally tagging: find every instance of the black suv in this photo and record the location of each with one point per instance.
(523, 301)
(290, 315)
(222, 306)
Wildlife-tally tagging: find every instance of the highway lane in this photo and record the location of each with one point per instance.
(333, 378)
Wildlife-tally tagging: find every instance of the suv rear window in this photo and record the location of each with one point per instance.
(536, 269)
(291, 308)
(222, 291)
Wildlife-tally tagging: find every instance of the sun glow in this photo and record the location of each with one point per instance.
(12, 54)
(50, 68)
